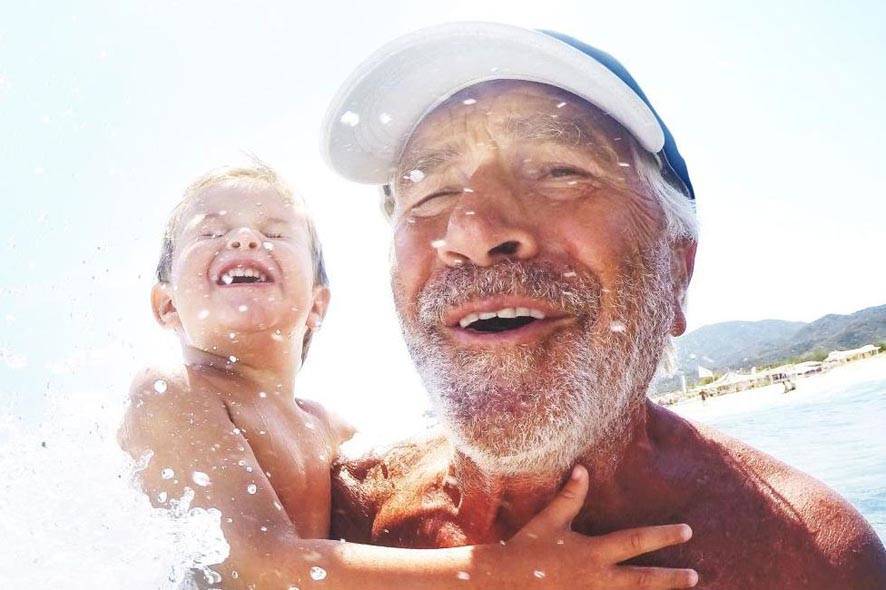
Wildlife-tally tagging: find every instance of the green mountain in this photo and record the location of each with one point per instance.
(740, 345)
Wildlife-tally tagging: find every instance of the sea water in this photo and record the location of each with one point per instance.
(831, 427)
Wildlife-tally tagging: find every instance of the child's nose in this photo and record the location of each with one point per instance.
(243, 238)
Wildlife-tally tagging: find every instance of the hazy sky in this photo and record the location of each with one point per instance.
(107, 110)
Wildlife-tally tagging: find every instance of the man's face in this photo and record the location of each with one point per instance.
(531, 273)
(241, 265)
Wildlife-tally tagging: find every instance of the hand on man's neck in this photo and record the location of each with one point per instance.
(618, 480)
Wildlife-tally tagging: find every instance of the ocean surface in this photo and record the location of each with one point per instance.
(832, 427)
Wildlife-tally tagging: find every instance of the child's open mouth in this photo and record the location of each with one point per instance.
(244, 275)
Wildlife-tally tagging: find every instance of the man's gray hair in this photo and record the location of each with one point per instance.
(678, 209)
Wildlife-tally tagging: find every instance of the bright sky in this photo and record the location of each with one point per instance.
(107, 110)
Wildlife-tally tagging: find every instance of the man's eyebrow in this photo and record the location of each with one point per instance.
(426, 161)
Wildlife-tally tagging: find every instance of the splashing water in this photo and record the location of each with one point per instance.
(72, 517)
(350, 118)
(318, 573)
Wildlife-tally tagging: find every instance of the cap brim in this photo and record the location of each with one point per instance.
(379, 106)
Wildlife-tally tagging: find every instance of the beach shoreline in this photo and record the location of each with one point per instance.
(865, 369)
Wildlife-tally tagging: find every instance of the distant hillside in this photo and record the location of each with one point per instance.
(731, 344)
(737, 345)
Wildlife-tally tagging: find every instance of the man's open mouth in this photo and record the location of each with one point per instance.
(502, 320)
(244, 275)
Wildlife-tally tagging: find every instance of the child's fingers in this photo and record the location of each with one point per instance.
(654, 578)
(622, 545)
(557, 516)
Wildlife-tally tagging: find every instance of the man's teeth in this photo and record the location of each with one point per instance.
(507, 312)
(229, 276)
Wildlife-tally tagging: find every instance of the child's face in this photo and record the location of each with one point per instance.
(241, 265)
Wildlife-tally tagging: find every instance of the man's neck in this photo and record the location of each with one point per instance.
(618, 470)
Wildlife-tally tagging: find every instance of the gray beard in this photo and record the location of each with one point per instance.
(535, 409)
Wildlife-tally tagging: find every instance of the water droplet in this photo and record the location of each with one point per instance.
(262, 394)
(617, 326)
(167, 473)
(204, 313)
(415, 175)
(277, 505)
(318, 573)
(467, 190)
(251, 488)
(624, 164)
(263, 529)
(268, 246)
(538, 574)
(384, 118)
(200, 478)
(469, 101)
(463, 576)
(293, 587)
(232, 358)
(350, 118)
(232, 335)
(243, 308)
(438, 244)
(561, 105)
(569, 274)
(160, 386)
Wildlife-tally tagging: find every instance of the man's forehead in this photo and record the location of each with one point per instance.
(525, 110)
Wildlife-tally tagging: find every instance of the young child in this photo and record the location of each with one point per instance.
(242, 283)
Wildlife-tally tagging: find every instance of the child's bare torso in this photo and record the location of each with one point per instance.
(293, 441)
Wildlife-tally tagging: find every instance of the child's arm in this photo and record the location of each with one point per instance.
(195, 445)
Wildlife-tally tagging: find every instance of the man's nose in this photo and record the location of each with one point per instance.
(243, 238)
(487, 226)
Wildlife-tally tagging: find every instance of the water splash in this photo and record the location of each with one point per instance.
(100, 532)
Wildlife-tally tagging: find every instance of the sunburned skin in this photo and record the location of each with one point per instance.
(226, 431)
(497, 215)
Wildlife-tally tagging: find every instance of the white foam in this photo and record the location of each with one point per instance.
(71, 517)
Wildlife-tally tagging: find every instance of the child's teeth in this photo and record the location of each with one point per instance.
(227, 279)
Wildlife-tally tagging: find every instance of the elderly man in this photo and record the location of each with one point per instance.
(544, 239)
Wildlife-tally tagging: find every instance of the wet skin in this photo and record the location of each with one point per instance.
(496, 185)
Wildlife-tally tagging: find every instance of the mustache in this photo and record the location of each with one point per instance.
(573, 291)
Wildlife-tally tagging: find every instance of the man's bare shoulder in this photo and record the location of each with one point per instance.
(376, 497)
(768, 497)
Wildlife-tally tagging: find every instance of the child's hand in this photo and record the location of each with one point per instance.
(549, 550)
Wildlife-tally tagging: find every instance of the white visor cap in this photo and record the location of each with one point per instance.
(378, 107)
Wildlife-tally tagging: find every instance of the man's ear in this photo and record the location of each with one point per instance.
(318, 307)
(164, 309)
(682, 265)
